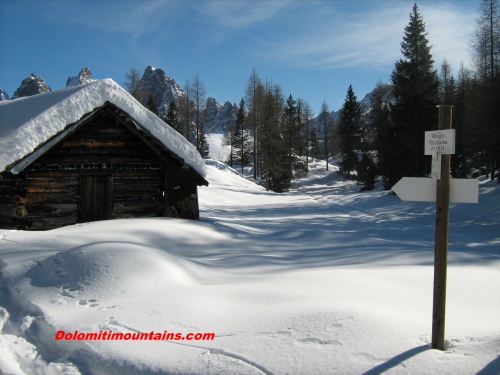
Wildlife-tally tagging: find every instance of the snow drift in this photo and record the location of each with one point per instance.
(322, 280)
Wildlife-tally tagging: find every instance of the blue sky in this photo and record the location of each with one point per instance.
(313, 49)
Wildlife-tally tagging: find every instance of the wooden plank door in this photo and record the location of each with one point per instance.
(95, 198)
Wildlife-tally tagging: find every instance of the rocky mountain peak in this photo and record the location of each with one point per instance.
(31, 85)
(386, 92)
(3, 95)
(155, 83)
(218, 118)
(84, 77)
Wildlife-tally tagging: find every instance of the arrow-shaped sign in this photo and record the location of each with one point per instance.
(421, 189)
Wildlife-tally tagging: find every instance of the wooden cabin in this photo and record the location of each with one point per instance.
(106, 165)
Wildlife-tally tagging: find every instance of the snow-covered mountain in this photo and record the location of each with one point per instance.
(163, 89)
(218, 118)
(387, 97)
(84, 77)
(3, 95)
(31, 85)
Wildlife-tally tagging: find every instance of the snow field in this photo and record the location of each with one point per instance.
(321, 280)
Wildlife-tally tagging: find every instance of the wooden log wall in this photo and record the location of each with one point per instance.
(45, 200)
(181, 197)
(138, 194)
(48, 193)
(9, 210)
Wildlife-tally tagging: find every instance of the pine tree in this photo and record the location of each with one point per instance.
(291, 132)
(171, 117)
(315, 151)
(416, 96)
(350, 133)
(151, 105)
(366, 168)
(240, 144)
(203, 146)
(228, 141)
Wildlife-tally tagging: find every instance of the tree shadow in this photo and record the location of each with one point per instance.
(397, 360)
(491, 368)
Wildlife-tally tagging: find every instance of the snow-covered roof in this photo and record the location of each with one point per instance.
(27, 123)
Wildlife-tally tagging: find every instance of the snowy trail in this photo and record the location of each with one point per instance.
(287, 284)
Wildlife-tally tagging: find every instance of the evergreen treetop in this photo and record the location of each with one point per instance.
(415, 89)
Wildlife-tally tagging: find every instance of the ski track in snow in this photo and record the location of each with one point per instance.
(214, 351)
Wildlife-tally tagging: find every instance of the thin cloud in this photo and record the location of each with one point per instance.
(226, 19)
(373, 38)
(242, 14)
(450, 33)
(132, 18)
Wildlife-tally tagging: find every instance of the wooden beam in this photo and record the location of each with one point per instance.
(51, 210)
(51, 223)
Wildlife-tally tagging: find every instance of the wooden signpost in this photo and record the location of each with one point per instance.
(442, 190)
(441, 242)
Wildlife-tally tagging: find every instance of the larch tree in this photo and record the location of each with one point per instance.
(307, 121)
(186, 107)
(446, 83)
(486, 52)
(464, 136)
(254, 100)
(290, 123)
(198, 95)
(323, 119)
(132, 78)
(379, 118)
(278, 176)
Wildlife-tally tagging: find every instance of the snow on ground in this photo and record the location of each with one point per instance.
(218, 151)
(321, 280)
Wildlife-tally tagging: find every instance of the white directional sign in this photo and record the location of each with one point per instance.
(421, 189)
(440, 142)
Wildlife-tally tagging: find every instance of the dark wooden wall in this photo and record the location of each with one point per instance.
(104, 163)
(181, 196)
